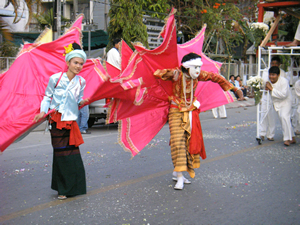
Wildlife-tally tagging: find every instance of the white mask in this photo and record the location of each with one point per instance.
(195, 71)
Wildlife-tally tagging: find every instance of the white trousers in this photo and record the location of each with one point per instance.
(285, 119)
(295, 117)
(222, 111)
(268, 121)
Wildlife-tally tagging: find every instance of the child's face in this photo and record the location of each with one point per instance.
(75, 65)
(273, 77)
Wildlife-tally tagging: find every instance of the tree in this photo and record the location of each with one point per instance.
(126, 19)
(46, 19)
(223, 18)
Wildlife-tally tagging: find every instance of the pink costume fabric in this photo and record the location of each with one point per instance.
(23, 86)
(140, 120)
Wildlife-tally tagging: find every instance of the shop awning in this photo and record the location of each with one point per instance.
(99, 38)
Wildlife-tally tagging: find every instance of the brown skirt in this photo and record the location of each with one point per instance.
(180, 132)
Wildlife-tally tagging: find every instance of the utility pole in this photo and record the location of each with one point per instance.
(105, 15)
(56, 19)
(75, 4)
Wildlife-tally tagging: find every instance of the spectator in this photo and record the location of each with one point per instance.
(232, 81)
(296, 41)
(82, 120)
(220, 111)
(113, 55)
(243, 88)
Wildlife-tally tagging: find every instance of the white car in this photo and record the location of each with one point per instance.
(98, 110)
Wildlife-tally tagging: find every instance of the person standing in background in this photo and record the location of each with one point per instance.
(113, 55)
(83, 117)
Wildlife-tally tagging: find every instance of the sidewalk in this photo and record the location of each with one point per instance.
(236, 104)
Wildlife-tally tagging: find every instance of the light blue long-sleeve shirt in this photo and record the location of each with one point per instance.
(65, 97)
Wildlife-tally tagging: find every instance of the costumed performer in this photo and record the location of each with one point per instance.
(64, 93)
(282, 101)
(186, 139)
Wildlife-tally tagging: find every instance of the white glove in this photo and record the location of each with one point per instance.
(197, 104)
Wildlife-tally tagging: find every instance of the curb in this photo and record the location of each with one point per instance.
(236, 104)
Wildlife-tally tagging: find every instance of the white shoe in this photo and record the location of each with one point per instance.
(186, 181)
(180, 184)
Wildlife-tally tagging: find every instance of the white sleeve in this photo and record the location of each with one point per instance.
(82, 87)
(45, 104)
(281, 93)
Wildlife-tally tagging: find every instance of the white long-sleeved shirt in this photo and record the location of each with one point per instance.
(114, 58)
(281, 94)
(65, 97)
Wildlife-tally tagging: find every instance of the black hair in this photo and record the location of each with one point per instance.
(116, 41)
(188, 57)
(76, 46)
(237, 77)
(276, 58)
(231, 76)
(274, 69)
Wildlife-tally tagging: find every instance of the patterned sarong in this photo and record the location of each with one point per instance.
(180, 131)
(68, 174)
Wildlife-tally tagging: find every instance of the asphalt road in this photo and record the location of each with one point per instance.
(240, 182)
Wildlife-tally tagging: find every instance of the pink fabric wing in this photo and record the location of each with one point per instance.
(111, 70)
(126, 53)
(22, 87)
(149, 124)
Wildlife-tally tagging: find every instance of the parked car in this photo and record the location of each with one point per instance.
(98, 110)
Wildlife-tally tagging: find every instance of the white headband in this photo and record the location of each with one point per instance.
(192, 62)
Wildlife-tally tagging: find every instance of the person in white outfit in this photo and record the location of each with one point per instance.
(113, 55)
(282, 101)
(297, 111)
(268, 115)
(220, 111)
(276, 61)
(296, 41)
